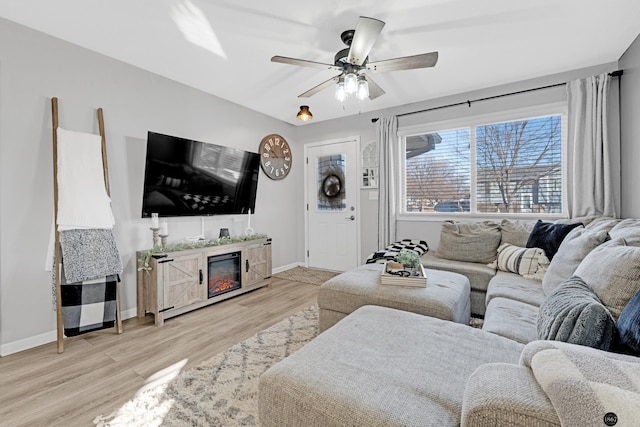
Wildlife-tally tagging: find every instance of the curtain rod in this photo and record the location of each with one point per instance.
(616, 73)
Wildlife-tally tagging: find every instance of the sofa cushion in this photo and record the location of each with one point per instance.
(612, 270)
(627, 229)
(516, 232)
(503, 394)
(548, 236)
(469, 241)
(515, 287)
(527, 262)
(380, 367)
(479, 275)
(583, 386)
(628, 326)
(575, 246)
(573, 313)
(511, 319)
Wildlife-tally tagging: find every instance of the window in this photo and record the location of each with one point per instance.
(488, 166)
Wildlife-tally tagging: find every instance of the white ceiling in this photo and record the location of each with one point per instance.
(224, 47)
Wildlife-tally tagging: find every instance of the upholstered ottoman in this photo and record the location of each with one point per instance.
(380, 367)
(446, 295)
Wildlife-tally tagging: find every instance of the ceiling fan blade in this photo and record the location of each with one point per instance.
(366, 33)
(374, 90)
(304, 63)
(424, 60)
(320, 87)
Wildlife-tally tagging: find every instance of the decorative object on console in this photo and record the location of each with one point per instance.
(548, 236)
(164, 233)
(248, 231)
(224, 232)
(275, 156)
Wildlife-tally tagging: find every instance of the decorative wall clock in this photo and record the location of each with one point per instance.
(275, 156)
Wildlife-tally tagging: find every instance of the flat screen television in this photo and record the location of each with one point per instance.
(185, 177)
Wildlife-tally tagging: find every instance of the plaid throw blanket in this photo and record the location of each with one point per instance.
(89, 305)
(390, 252)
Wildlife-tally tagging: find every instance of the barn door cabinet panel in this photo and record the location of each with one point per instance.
(181, 281)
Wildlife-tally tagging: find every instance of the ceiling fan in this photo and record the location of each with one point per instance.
(353, 63)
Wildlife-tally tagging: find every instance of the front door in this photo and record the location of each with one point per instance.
(332, 205)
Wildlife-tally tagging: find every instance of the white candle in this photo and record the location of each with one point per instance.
(154, 220)
(164, 228)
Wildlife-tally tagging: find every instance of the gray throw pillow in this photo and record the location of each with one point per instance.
(573, 313)
(469, 241)
(575, 246)
(516, 232)
(612, 270)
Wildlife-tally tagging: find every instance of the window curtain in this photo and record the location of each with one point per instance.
(387, 136)
(593, 154)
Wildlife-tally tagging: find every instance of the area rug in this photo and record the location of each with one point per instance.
(222, 391)
(306, 275)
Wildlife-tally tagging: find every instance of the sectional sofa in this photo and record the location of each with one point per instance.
(559, 344)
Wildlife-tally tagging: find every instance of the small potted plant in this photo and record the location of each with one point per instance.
(409, 260)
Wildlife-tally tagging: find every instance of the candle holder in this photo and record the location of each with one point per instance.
(163, 240)
(156, 240)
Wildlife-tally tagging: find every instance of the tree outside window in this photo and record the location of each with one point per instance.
(518, 168)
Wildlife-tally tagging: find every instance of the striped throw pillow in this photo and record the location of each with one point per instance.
(527, 262)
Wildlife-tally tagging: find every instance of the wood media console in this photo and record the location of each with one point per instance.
(181, 281)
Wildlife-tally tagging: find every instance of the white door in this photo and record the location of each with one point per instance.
(332, 192)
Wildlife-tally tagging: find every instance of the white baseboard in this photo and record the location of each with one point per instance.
(51, 336)
(46, 338)
(287, 267)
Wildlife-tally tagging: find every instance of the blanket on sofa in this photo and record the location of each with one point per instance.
(587, 388)
(420, 247)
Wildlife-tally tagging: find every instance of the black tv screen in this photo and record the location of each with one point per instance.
(185, 177)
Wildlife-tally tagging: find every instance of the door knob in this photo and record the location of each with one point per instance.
(351, 218)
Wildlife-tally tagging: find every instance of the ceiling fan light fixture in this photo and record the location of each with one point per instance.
(350, 83)
(340, 94)
(363, 88)
(304, 114)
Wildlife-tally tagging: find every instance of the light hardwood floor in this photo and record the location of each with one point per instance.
(100, 371)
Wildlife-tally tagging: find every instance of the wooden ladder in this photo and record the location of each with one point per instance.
(57, 264)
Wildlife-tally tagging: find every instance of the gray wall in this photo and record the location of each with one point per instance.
(630, 130)
(35, 67)
(429, 230)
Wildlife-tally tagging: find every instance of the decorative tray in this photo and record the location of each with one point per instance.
(388, 278)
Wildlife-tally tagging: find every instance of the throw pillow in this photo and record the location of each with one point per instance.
(584, 387)
(575, 246)
(612, 270)
(527, 262)
(469, 241)
(573, 313)
(516, 231)
(548, 236)
(627, 229)
(628, 326)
